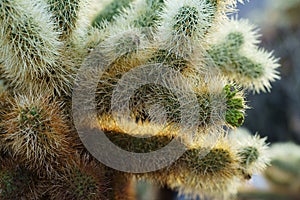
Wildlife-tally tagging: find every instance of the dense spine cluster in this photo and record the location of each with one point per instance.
(35, 131)
(186, 66)
(30, 49)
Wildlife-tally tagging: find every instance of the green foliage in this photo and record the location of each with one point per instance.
(235, 117)
(230, 91)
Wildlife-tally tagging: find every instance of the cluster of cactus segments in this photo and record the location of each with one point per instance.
(204, 60)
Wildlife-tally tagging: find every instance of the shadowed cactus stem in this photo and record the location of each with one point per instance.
(84, 179)
(16, 182)
(36, 133)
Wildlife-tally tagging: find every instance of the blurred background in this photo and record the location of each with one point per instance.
(277, 114)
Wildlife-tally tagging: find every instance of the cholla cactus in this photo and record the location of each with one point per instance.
(185, 67)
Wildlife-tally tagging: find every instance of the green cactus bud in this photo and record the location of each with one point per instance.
(235, 106)
(237, 103)
(230, 91)
(235, 117)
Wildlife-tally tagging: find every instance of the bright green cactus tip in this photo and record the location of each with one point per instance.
(235, 117)
(235, 106)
